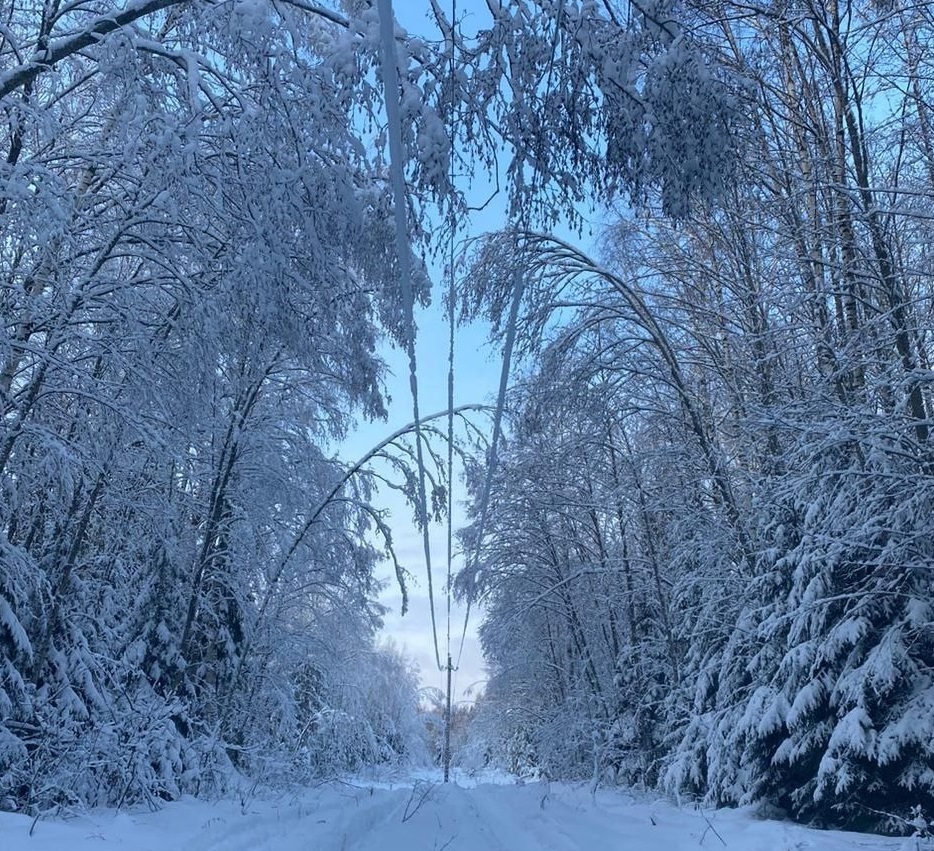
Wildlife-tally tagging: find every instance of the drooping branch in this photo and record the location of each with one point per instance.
(328, 500)
(67, 46)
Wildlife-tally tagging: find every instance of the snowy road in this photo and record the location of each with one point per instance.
(427, 817)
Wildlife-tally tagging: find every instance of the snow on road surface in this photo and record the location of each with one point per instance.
(424, 816)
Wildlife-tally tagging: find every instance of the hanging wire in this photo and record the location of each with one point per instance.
(452, 228)
(452, 232)
(396, 164)
(451, 318)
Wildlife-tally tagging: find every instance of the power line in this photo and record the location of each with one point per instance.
(396, 166)
(452, 228)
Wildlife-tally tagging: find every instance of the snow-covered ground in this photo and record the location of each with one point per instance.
(423, 815)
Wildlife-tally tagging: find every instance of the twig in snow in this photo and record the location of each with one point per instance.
(420, 793)
(711, 828)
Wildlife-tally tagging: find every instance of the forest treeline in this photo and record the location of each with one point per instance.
(709, 556)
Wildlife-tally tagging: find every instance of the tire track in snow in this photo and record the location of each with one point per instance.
(313, 823)
(445, 818)
(353, 832)
(526, 813)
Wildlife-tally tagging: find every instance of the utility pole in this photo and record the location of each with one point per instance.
(447, 725)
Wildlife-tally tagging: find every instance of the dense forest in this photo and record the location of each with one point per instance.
(703, 545)
(708, 564)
